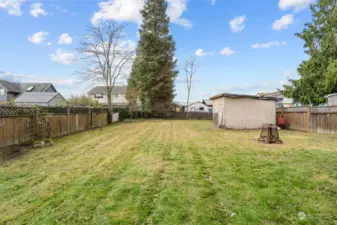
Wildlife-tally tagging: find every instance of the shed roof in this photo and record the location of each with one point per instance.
(102, 90)
(229, 95)
(331, 95)
(36, 97)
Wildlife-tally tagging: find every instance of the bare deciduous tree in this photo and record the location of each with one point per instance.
(190, 69)
(107, 55)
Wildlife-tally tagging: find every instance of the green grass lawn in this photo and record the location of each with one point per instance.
(173, 172)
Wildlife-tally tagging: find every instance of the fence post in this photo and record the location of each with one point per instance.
(68, 118)
(90, 119)
(308, 118)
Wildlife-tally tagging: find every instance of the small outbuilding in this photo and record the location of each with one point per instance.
(332, 99)
(40, 99)
(234, 111)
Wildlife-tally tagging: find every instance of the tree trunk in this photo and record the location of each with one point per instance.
(109, 106)
(188, 101)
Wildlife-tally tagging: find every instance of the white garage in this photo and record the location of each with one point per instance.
(234, 111)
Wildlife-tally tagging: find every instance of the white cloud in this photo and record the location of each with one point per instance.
(227, 51)
(38, 37)
(13, 7)
(49, 43)
(65, 39)
(297, 5)
(64, 57)
(284, 22)
(201, 52)
(129, 10)
(269, 44)
(36, 10)
(213, 2)
(238, 23)
(184, 23)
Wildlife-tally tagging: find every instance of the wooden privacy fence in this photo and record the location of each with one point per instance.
(193, 115)
(322, 119)
(20, 125)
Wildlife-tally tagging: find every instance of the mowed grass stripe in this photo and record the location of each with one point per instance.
(172, 172)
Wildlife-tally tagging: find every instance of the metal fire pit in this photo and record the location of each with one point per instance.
(269, 134)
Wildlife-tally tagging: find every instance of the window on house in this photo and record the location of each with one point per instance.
(116, 95)
(201, 108)
(98, 96)
(2, 91)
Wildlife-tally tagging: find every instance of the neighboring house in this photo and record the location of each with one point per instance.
(10, 90)
(40, 99)
(198, 107)
(209, 103)
(281, 100)
(332, 99)
(235, 111)
(118, 96)
(178, 107)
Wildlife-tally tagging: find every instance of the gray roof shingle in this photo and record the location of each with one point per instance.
(10, 86)
(22, 87)
(38, 87)
(102, 90)
(36, 97)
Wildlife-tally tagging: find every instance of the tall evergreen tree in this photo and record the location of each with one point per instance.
(154, 68)
(318, 74)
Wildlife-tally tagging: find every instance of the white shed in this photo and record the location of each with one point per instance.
(332, 99)
(198, 107)
(235, 111)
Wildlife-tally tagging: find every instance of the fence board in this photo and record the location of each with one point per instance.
(321, 119)
(15, 124)
(324, 123)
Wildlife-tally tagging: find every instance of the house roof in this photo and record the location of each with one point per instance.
(207, 102)
(229, 95)
(36, 97)
(10, 86)
(102, 90)
(197, 102)
(37, 87)
(22, 87)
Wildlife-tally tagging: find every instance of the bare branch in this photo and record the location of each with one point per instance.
(106, 56)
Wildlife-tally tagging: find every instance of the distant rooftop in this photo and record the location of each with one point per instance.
(36, 97)
(23, 87)
(102, 90)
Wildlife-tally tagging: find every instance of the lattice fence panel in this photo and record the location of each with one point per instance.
(16, 111)
(324, 109)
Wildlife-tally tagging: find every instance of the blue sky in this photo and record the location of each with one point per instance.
(240, 46)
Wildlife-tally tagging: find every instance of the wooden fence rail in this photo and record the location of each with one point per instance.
(17, 129)
(321, 119)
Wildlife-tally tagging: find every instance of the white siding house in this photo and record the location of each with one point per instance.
(198, 107)
(234, 111)
(118, 95)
